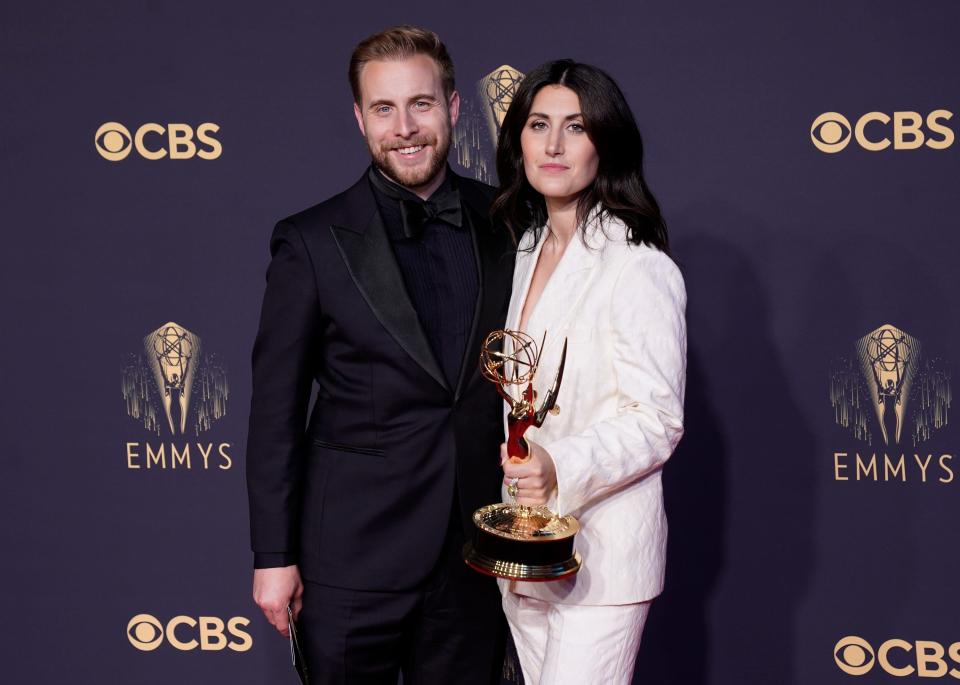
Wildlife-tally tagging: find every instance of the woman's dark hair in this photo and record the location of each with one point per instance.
(619, 187)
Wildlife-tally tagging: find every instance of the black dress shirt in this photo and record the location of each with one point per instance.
(439, 268)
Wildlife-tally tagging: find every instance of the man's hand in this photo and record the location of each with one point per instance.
(537, 475)
(273, 590)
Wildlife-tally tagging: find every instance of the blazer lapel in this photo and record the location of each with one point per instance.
(559, 301)
(568, 284)
(366, 250)
(527, 256)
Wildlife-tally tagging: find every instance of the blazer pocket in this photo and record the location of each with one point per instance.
(340, 447)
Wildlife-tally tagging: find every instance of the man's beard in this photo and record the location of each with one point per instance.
(420, 176)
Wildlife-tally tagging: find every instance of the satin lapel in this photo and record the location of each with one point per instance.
(374, 269)
(467, 364)
(494, 270)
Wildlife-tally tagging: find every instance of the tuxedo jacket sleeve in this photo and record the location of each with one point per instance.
(282, 373)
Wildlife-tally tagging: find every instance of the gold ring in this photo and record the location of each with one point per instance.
(512, 489)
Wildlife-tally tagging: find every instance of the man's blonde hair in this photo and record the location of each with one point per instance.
(401, 42)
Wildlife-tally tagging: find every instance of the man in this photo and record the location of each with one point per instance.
(382, 295)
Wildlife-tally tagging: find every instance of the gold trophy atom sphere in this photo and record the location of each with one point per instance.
(511, 540)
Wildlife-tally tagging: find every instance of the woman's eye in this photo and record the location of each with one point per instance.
(538, 125)
(577, 128)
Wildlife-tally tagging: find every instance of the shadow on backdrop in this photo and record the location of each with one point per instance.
(739, 491)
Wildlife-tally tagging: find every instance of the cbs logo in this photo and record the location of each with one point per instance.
(185, 633)
(154, 141)
(855, 656)
(832, 132)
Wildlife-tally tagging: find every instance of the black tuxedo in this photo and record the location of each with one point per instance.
(360, 497)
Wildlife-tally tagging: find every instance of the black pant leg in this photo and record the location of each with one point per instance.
(353, 637)
(460, 630)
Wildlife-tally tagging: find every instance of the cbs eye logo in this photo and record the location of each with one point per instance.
(830, 132)
(875, 131)
(209, 633)
(854, 655)
(154, 141)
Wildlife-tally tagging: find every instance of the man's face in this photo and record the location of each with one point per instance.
(406, 119)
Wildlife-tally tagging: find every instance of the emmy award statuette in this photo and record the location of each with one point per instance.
(512, 540)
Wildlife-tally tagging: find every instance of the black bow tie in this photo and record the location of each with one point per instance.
(416, 214)
(443, 205)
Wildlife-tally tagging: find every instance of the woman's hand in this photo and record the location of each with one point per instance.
(537, 475)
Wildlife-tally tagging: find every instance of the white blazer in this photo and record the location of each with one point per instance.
(621, 308)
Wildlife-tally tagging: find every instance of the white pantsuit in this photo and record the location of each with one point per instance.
(621, 309)
(574, 644)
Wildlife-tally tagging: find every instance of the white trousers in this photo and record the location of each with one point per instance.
(568, 643)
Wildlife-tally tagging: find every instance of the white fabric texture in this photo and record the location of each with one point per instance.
(621, 308)
(565, 644)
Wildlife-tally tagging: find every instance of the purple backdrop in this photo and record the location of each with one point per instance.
(787, 549)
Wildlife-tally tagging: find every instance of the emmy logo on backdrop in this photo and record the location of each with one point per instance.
(170, 352)
(512, 540)
(887, 355)
(481, 116)
(497, 90)
(890, 389)
(174, 382)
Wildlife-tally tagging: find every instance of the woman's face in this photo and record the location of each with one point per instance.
(559, 159)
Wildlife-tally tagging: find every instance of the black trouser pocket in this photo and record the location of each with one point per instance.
(340, 447)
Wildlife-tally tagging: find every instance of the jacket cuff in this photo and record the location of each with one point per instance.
(273, 559)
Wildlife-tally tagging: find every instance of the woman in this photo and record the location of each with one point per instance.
(592, 268)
